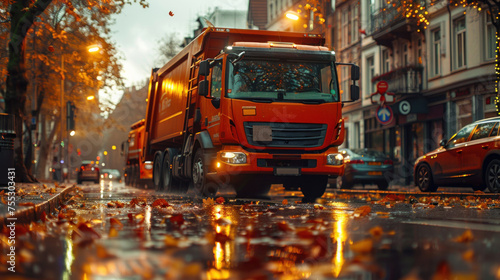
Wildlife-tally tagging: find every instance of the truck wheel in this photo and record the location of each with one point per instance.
(314, 188)
(157, 177)
(127, 176)
(201, 184)
(169, 184)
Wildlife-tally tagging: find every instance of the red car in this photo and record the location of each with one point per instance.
(471, 158)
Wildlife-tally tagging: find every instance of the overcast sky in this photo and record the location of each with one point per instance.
(138, 30)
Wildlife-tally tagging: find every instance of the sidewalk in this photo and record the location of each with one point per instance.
(31, 200)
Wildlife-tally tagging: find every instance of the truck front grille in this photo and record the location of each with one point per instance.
(288, 134)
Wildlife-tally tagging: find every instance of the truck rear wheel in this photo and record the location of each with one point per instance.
(157, 176)
(201, 184)
(313, 187)
(171, 184)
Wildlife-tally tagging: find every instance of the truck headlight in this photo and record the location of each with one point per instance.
(148, 165)
(334, 159)
(233, 157)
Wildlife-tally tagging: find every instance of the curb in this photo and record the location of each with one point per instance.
(27, 214)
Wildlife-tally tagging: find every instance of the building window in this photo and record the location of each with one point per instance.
(385, 61)
(459, 44)
(490, 39)
(271, 12)
(370, 68)
(436, 52)
(345, 28)
(355, 24)
(404, 58)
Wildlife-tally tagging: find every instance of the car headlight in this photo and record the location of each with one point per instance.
(102, 176)
(148, 165)
(335, 159)
(110, 176)
(233, 157)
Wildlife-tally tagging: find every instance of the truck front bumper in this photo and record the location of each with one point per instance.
(327, 163)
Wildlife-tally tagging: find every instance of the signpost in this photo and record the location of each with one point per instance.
(382, 97)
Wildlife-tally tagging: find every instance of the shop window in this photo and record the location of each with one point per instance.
(464, 112)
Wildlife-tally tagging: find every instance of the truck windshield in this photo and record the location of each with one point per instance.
(287, 81)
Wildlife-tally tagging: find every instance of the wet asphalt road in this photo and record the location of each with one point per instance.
(110, 231)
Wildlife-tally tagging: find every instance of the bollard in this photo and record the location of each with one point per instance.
(7, 136)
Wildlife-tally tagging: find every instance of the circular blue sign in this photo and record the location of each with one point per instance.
(384, 114)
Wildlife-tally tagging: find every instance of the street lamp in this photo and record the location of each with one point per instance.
(91, 49)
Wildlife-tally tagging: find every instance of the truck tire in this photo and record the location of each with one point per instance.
(127, 176)
(314, 188)
(201, 184)
(157, 167)
(169, 184)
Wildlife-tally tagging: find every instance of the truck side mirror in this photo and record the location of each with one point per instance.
(203, 88)
(204, 68)
(354, 92)
(355, 73)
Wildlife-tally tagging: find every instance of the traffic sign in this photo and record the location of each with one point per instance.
(384, 114)
(382, 98)
(382, 87)
(404, 107)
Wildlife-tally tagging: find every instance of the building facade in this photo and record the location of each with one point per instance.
(442, 76)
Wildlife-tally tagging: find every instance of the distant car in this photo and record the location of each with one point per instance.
(111, 174)
(365, 166)
(88, 172)
(470, 158)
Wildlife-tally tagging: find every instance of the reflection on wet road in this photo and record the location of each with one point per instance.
(110, 231)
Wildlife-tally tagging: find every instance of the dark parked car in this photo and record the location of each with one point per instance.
(365, 166)
(111, 174)
(88, 172)
(470, 158)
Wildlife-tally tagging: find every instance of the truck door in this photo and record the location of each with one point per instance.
(211, 115)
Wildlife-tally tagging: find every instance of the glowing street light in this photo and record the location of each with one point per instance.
(292, 15)
(93, 48)
(90, 97)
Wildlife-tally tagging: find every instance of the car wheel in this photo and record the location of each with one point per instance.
(492, 176)
(342, 183)
(423, 179)
(314, 188)
(383, 185)
(201, 184)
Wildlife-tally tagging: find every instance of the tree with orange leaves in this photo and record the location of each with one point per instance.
(17, 18)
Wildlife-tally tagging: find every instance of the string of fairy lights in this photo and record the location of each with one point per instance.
(418, 11)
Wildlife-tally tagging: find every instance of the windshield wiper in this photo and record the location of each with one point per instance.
(311, 101)
(259, 99)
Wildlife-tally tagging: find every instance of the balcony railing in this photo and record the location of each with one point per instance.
(390, 21)
(405, 80)
(384, 17)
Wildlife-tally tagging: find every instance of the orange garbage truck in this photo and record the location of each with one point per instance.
(247, 109)
(138, 172)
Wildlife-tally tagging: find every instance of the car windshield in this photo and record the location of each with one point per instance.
(290, 81)
(369, 153)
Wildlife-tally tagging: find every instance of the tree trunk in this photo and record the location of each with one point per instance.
(22, 14)
(45, 147)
